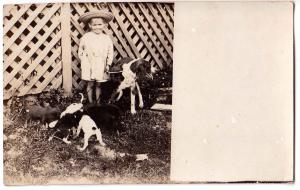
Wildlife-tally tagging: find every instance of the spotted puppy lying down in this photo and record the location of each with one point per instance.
(90, 120)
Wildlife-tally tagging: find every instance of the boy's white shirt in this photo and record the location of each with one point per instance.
(95, 52)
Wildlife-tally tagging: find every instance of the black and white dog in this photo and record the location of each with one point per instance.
(133, 71)
(88, 119)
(67, 121)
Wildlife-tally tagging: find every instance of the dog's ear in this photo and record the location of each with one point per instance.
(77, 114)
(134, 66)
(140, 65)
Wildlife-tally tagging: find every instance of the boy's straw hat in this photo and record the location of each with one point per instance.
(107, 16)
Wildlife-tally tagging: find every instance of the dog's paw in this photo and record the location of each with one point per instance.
(103, 144)
(66, 141)
(133, 112)
(52, 124)
(141, 105)
(80, 148)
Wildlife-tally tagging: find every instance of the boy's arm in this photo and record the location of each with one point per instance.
(110, 54)
(81, 48)
(83, 52)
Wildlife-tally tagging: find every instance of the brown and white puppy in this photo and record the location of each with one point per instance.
(133, 70)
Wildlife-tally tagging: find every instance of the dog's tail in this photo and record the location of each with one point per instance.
(81, 100)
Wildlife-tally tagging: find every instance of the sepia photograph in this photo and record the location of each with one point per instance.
(185, 92)
(87, 93)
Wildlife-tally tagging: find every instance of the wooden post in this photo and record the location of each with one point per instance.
(66, 48)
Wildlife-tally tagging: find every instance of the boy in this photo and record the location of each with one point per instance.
(95, 52)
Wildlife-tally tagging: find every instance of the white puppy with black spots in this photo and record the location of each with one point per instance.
(83, 122)
(89, 128)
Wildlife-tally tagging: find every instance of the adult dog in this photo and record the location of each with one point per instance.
(133, 71)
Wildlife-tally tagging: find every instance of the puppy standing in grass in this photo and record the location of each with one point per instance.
(95, 52)
(89, 128)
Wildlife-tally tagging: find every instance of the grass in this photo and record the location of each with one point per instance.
(29, 158)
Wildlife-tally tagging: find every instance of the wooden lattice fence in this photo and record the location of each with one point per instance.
(41, 41)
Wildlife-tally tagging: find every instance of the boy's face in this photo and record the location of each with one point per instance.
(97, 25)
